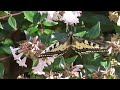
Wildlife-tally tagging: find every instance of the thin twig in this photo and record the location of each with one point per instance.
(14, 14)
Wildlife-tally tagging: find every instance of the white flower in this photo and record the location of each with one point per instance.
(118, 22)
(38, 71)
(39, 68)
(65, 77)
(49, 19)
(77, 13)
(14, 50)
(41, 12)
(77, 68)
(110, 50)
(56, 16)
(22, 62)
(18, 57)
(70, 18)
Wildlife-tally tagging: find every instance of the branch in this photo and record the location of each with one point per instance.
(3, 17)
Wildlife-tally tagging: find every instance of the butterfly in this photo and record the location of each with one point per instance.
(79, 45)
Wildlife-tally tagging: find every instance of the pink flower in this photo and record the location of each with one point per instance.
(77, 68)
(14, 50)
(18, 57)
(39, 68)
(77, 13)
(41, 12)
(70, 18)
(22, 62)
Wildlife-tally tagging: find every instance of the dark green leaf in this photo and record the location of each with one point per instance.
(42, 18)
(29, 15)
(91, 18)
(50, 23)
(12, 22)
(36, 18)
(1, 70)
(94, 31)
(56, 65)
(117, 28)
(58, 35)
(70, 60)
(5, 50)
(91, 68)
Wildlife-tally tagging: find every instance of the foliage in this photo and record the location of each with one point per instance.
(16, 26)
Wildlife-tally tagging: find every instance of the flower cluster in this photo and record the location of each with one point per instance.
(114, 16)
(31, 49)
(114, 44)
(43, 62)
(105, 74)
(73, 72)
(69, 17)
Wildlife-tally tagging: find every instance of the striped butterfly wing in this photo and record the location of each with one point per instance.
(82, 46)
(57, 49)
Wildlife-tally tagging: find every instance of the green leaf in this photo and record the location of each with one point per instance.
(117, 28)
(48, 31)
(32, 29)
(7, 12)
(91, 68)
(42, 18)
(1, 26)
(80, 34)
(56, 65)
(1, 70)
(29, 15)
(35, 62)
(96, 56)
(50, 23)
(94, 31)
(91, 18)
(7, 42)
(70, 60)
(36, 18)
(12, 22)
(104, 64)
(58, 35)
(5, 50)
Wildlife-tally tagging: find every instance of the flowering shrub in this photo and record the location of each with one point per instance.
(25, 35)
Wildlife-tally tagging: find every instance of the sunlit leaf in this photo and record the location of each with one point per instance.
(7, 41)
(29, 15)
(1, 26)
(48, 31)
(80, 34)
(104, 64)
(50, 23)
(12, 22)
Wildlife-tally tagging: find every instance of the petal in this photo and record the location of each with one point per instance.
(22, 62)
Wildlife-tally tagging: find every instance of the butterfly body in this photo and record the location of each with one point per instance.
(79, 45)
